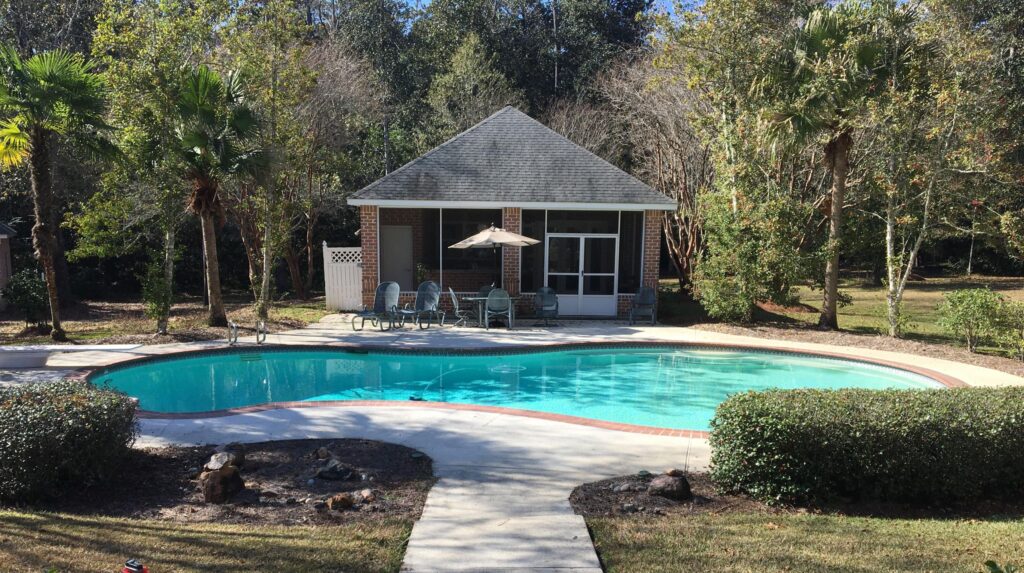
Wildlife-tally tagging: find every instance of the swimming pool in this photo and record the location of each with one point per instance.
(666, 387)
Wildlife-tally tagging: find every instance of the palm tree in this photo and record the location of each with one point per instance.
(45, 97)
(214, 137)
(836, 62)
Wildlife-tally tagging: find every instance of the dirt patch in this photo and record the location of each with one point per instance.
(280, 479)
(627, 496)
(874, 342)
(775, 308)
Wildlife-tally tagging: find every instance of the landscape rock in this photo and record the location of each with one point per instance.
(220, 485)
(670, 487)
(335, 470)
(627, 486)
(340, 501)
(366, 495)
(235, 452)
(675, 473)
(323, 453)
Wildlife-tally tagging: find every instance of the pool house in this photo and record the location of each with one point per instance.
(599, 228)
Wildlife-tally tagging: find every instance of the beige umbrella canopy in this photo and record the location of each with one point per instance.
(493, 238)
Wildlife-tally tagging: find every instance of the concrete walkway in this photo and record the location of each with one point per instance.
(501, 502)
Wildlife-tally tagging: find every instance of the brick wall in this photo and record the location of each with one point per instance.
(511, 257)
(368, 240)
(652, 248)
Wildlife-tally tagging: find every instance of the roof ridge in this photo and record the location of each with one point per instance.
(437, 148)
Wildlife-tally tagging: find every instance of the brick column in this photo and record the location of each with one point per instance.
(369, 238)
(652, 248)
(511, 257)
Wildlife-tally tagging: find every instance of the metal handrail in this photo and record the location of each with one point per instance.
(232, 333)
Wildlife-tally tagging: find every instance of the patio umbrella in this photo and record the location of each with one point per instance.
(493, 238)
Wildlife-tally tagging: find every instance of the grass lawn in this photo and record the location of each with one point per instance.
(867, 312)
(766, 543)
(37, 541)
(101, 321)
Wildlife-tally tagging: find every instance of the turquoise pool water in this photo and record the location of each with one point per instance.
(664, 387)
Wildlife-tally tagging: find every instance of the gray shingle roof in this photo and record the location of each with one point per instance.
(510, 158)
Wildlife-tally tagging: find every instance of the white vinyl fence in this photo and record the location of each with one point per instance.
(343, 277)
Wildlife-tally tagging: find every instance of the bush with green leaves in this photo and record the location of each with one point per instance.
(1010, 327)
(56, 434)
(928, 446)
(157, 294)
(26, 291)
(752, 254)
(970, 314)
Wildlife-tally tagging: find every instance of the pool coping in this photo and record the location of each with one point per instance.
(85, 374)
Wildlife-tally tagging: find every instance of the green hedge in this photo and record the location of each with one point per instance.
(54, 435)
(930, 446)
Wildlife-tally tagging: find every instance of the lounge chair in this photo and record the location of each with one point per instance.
(644, 304)
(385, 307)
(545, 304)
(427, 304)
(499, 304)
(462, 315)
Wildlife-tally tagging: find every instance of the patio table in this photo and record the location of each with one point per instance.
(480, 301)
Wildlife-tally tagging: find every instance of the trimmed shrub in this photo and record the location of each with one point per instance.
(800, 446)
(68, 432)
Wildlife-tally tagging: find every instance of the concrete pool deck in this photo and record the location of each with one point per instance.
(501, 501)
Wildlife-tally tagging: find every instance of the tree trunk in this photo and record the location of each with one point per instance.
(310, 257)
(60, 260)
(263, 300)
(838, 151)
(163, 321)
(295, 272)
(216, 317)
(893, 267)
(43, 239)
(251, 242)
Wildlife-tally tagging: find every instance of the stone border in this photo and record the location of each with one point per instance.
(87, 374)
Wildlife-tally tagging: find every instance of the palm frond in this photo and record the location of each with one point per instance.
(15, 144)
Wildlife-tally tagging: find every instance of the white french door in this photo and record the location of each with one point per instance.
(583, 270)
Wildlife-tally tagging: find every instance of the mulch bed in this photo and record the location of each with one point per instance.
(281, 487)
(601, 499)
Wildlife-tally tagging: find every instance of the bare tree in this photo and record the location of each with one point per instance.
(657, 110)
(589, 125)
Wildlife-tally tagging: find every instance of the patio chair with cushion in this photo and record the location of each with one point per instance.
(644, 304)
(385, 307)
(499, 304)
(485, 290)
(545, 304)
(462, 315)
(426, 305)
